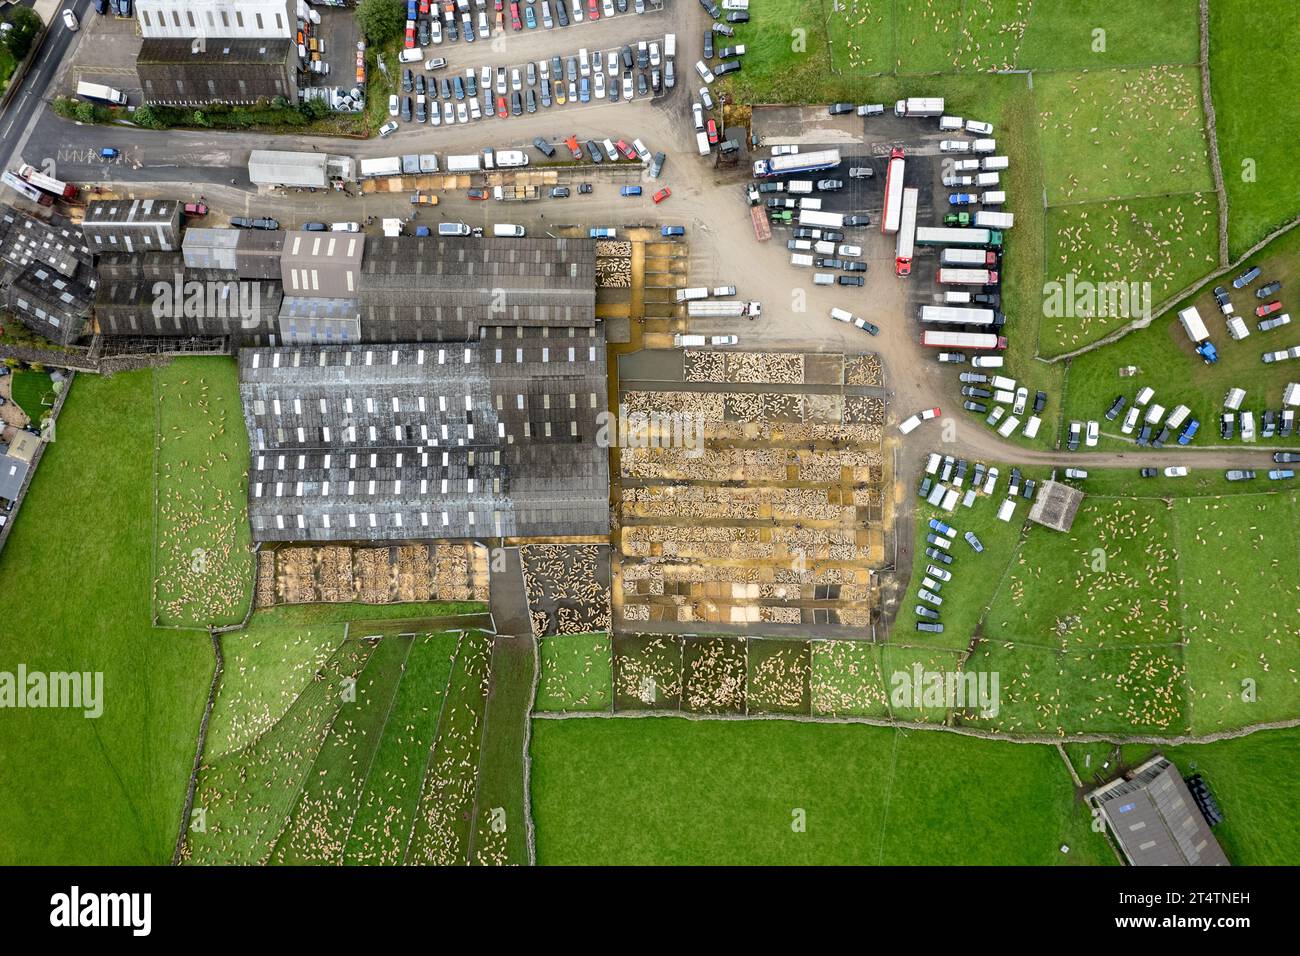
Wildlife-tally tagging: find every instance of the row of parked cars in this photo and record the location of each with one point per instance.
(424, 26)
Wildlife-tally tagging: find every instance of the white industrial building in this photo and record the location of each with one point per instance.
(235, 19)
(279, 167)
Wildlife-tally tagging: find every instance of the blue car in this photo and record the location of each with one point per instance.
(1280, 474)
(962, 199)
(630, 191)
(941, 527)
(422, 231)
(412, 10)
(584, 90)
(671, 230)
(1189, 432)
(530, 20)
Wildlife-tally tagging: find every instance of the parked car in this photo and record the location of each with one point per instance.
(1239, 474)
(661, 195)
(1246, 278)
(838, 109)
(1286, 457)
(265, 222)
(1268, 309)
(974, 541)
(953, 358)
(830, 185)
(1116, 407)
(861, 172)
(856, 281)
(978, 407)
(559, 192)
(1264, 291)
(1176, 471)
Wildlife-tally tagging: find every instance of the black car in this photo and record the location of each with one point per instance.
(1144, 437)
(1040, 401)
(1148, 472)
(854, 266)
(628, 62)
(974, 391)
(1286, 457)
(738, 16)
(943, 557)
(708, 45)
(832, 235)
(562, 12)
(923, 611)
(725, 67)
(1028, 491)
(545, 148)
(838, 109)
(1221, 296)
(1264, 291)
(1116, 407)
(446, 88)
(642, 87)
(1159, 440)
(857, 220)
(419, 84)
(594, 152)
(990, 299)
(711, 8)
(975, 407)
(423, 31)
(406, 109)
(532, 101)
(315, 227)
(243, 222)
(408, 81)
(830, 263)
(516, 105)
(851, 280)
(926, 484)
(584, 189)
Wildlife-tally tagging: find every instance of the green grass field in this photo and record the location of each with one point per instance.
(846, 679)
(1168, 363)
(1253, 78)
(1150, 248)
(203, 546)
(76, 571)
(779, 792)
(33, 391)
(576, 672)
(500, 835)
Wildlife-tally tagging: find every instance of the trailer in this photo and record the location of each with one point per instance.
(970, 258)
(510, 158)
(893, 215)
(463, 163)
(383, 166)
(993, 163)
(919, 106)
(797, 163)
(762, 229)
(950, 276)
(26, 189)
(799, 187)
(823, 220)
(994, 220)
(906, 243)
(950, 315)
(950, 236)
(978, 341)
(723, 310)
(1195, 328)
(97, 91)
(428, 162)
(48, 184)
(686, 295)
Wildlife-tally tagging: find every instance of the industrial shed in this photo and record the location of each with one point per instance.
(281, 167)
(240, 72)
(248, 253)
(132, 225)
(1156, 821)
(322, 263)
(389, 443)
(430, 289)
(1056, 505)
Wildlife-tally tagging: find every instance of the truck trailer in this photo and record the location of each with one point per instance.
(822, 220)
(951, 315)
(905, 246)
(957, 236)
(722, 310)
(1195, 328)
(919, 106)
(951, 276)
(97, 91)
(463, 163)
(383, 166)
(893, 215)
(985, 219)
(55, 187)
(978, 341)
(968, 258)
(797, 163)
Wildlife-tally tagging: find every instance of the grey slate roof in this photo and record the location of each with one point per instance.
(376, 443)
(1155, 819)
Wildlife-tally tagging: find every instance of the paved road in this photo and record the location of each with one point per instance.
(28, 103)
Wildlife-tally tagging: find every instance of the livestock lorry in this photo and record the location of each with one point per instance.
(712, 309)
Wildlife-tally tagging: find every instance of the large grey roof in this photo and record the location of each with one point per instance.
(1155, 819)
(485, 439)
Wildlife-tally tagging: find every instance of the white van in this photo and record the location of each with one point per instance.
(670, 44)
(985, 146)
(823, 278)
(453, 229)
(799, 259)
(1247, 426)
(345, 227)
(950, 124)
(986, 361)
(508, 230)
(954, 146)
(1001, 381)
(414, 55)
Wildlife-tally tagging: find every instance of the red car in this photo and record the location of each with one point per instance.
(478, 194)
(196, 209)
(593, 9)
(574, 148)
(661, 195)
(1267, 309)
(424, 6)
(627, 151)
(501, 107)
(713, 132)
(514, 15)
(410, 37)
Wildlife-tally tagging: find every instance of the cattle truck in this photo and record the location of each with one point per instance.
(977, 341)
(919, 106)
(968, 258)
(905, 245)
(951, 276)
(949, 236)
(722, 310)
(893, 216)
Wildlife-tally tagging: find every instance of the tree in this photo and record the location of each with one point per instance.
(380, 20)
(26, 24)
(84, 112)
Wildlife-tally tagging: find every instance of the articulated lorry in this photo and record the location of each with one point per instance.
(797, 163)
(958, 236)
(919, 106)
(951, 276)
(977, 341)
(893, 216)
(905, 245)
(707, 309)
